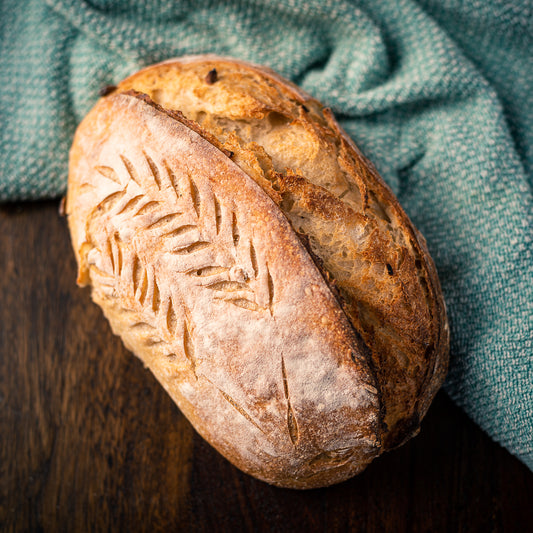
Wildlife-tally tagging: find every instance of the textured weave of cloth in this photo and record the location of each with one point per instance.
(438, 93)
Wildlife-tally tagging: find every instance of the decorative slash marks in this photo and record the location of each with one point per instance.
(131, 204)
(191, 248)
(116, 254)
(253, 259)
(195, 196)
(109, 173)
(173, 180)
(292, 425)
(198, 237)
(110, 201)
(330, 459)
(185, 239)
(154, 170)
(131, 170)
(270, 283)
(188, 347)
(239, 408)
(208, 271)
(156, 298)
(235, 230)
(171, 318)
(162, 221)
(218, 214)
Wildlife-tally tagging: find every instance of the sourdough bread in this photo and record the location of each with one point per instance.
(245, 250)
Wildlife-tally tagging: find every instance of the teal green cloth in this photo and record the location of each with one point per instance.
(438, 93)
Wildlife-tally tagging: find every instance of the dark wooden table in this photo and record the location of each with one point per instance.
(90, 442)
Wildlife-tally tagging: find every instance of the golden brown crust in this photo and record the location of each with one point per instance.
(192, 198)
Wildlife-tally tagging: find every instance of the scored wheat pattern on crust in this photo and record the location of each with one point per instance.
(188, 224)
(130, 203)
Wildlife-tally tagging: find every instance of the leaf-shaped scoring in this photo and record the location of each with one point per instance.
(184, 222)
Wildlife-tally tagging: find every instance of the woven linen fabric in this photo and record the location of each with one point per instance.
(438, 93)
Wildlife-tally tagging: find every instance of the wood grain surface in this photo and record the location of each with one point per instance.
(90, 442)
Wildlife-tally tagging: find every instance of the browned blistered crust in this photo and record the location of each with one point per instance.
(247, 252)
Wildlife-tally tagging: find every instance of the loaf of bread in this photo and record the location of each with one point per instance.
(244, 249)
